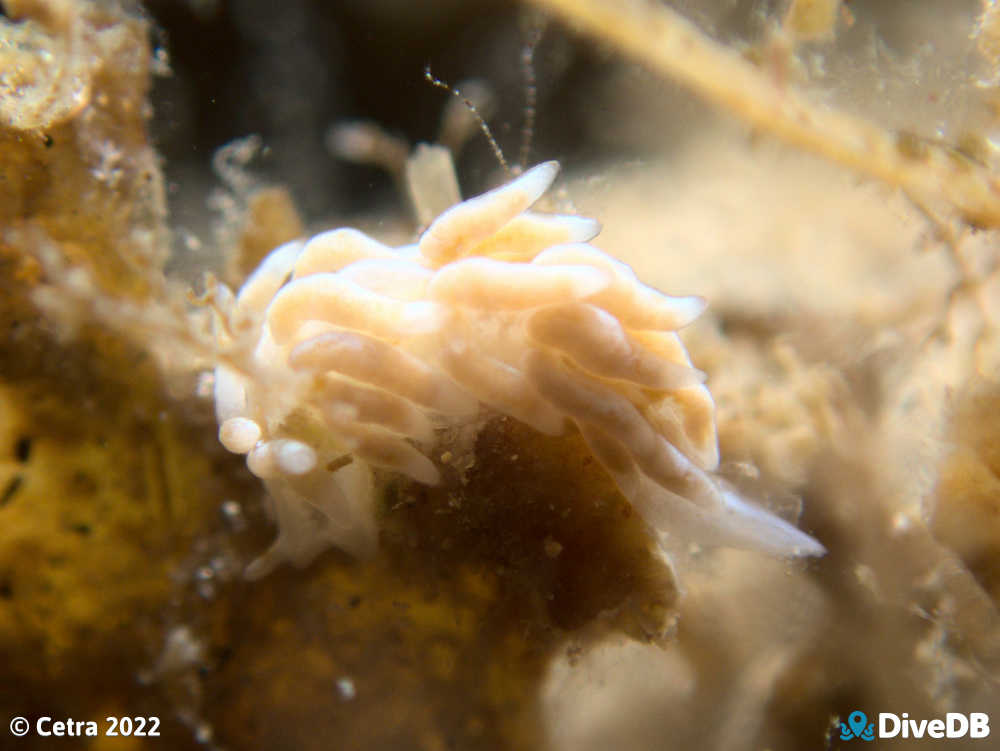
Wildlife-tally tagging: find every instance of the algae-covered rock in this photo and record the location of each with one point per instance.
(120, 587)
(105, 480)
(74, 155)
(525, 551)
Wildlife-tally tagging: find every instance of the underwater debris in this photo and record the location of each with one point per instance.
(253, 218)
(811, 20)
(662, 38)
(354, 355)
(965, 500)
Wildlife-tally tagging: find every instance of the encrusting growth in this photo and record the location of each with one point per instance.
(355, 354)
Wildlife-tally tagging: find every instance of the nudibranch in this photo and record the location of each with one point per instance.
(360, 354)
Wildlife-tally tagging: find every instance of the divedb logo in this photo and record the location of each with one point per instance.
(954, 725)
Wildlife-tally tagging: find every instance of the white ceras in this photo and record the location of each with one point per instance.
(360, 353)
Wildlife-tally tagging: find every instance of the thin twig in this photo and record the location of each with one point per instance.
(670, 44)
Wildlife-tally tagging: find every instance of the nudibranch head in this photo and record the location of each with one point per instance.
(360, 353)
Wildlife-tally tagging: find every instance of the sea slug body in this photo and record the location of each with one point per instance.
(359, 353)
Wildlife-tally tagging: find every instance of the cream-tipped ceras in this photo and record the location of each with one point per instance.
(359, 353)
